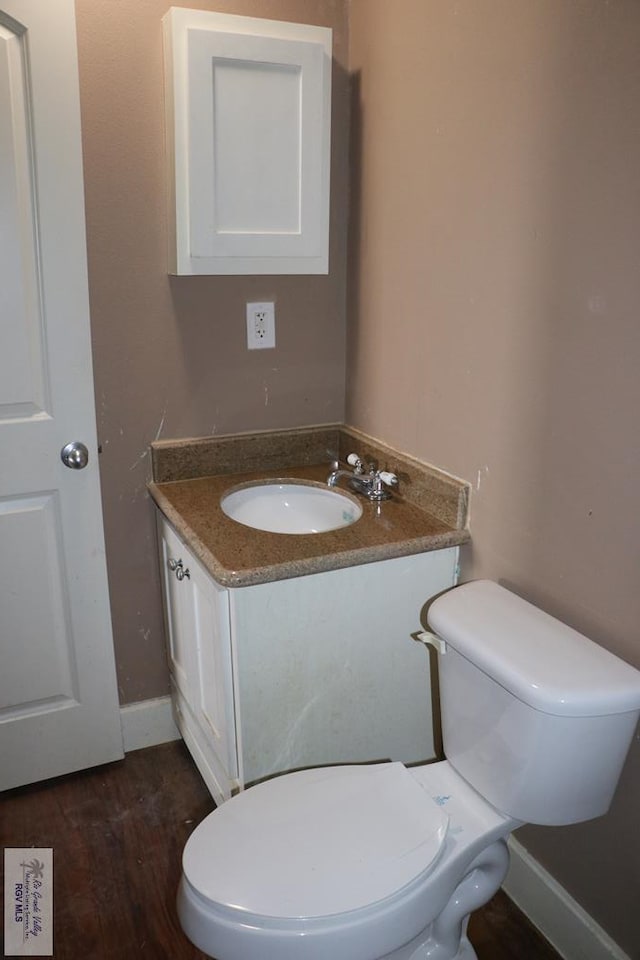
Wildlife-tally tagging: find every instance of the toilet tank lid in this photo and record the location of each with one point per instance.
(538, 659)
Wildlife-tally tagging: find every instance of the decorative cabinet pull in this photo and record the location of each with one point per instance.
(177, 567)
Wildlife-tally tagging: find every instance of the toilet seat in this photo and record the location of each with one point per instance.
(231, 913)
(316, 843)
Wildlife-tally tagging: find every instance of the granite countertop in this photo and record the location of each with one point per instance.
(237, 555)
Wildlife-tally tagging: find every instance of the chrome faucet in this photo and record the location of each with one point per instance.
(371, 485)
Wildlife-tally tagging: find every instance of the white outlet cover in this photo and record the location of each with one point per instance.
(261, 327)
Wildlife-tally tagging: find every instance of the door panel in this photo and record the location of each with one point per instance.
(22, 388)
(58, 696)
(44, 671)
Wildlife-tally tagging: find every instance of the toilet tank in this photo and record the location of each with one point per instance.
(536, 717)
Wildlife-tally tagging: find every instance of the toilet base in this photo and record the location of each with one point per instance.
(419, 949)
(446, 938)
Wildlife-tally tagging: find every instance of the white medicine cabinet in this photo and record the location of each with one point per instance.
(248, 118)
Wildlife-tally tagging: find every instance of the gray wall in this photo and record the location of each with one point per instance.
(493, 323)
(170, 354)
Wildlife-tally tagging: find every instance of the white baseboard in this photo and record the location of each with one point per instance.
(569, 928)
(147, 723)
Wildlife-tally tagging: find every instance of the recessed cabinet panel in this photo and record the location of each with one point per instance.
(248, 130)
(257, 129)
(180, 614)
(200, 661)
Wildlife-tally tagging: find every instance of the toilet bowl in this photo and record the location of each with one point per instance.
(349, 862)
(382, 862)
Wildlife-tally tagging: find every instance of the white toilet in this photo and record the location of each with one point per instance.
(373, 862)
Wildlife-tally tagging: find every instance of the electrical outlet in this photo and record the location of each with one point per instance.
(261, 326)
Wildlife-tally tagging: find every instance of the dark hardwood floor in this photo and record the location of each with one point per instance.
(118, 833)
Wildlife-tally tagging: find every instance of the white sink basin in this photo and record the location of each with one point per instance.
(287, 506)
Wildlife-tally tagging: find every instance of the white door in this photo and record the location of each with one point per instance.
(58, 695)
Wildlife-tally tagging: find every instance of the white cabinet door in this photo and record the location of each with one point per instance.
(200, 655)
(248, 115)
(58, 696)
(179, 612)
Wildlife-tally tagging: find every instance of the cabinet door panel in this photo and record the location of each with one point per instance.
(248, 113)
(179, 614)
(199, 643)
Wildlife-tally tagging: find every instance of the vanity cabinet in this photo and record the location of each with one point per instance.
(315, 670)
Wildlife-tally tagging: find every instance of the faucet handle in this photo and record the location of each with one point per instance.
(354, 461)
(389, 478)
